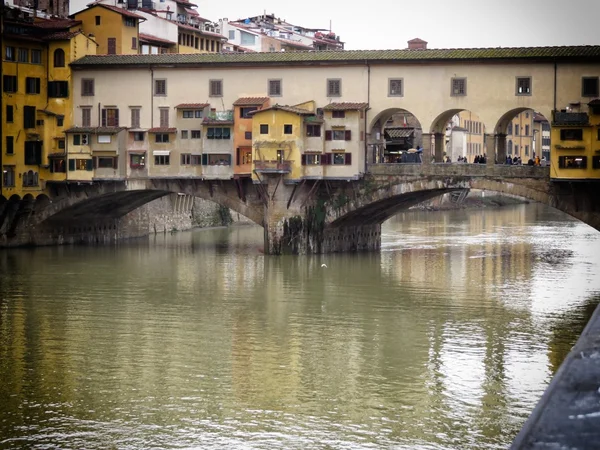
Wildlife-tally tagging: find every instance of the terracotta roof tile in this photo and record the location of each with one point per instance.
(116, 9)
(149, 38)
(57, 24)
(192, 105)
(588, 53)
(251, 101)
(162, 130)
(345, 106)
(62, 35)
(292, 109)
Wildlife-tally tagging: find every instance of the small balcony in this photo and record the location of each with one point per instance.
(264, 166)
(571, 118)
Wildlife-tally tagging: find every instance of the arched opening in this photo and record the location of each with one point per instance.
(523, 137)
(396, 136)
(459, 137)
(59, 57)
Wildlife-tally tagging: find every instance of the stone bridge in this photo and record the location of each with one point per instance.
(314, 216)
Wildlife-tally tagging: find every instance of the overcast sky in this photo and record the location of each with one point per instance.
(442, 23)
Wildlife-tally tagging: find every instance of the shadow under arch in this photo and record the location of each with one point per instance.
(383, 116)
(507, 118)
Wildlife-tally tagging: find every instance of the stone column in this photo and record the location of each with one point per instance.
(426, 156)
(440, 140)
(501, 139)
(490, 149)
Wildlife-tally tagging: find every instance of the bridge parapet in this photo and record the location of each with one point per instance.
(464, 170)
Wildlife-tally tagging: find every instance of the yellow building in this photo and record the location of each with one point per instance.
(116, 30)
(475, 131)
(519, 137)
(278, 140)
(37, 100)
(575, 138)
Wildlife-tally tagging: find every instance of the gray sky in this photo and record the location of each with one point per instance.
(442, 23)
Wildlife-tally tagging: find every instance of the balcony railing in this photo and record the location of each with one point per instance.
(570, 118)
(264, 166)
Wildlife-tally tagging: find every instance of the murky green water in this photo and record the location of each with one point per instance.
(444, 340)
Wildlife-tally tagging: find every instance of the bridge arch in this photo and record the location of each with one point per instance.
(383, 116)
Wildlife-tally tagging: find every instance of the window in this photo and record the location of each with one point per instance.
(36, 56)
(287, 129)
(188, 114)
(160, 87)
(311, 159)
(516, 149)
(9, 83)
(338, 114)
(110, 117)
(196, 134)
(164, 117)
(29, 117)
(10, 114)
(138, 136)
(595, 162)
(589, 87)
(30, 178)
(245, 112)
(57, 165)
(510, 147)
(134, 43)
(130, 22)
(186, 159)
(33, 153)
(274, 88)
(338, 135)
(103, 139)
(313, 130)
(196, 160)
(162, 160)
(60, 121)
(81, 164)
(58, 89)
(32, 85)
(218, 133)
(105, 162)
(571, 134)
(97, 20)
(215, 88)
(184, 134)
(523, 86)
(87, 87)
(334, 87)
(137, 160)
(59, 57)
(86, 117)
(458, 86)
(509, 129)
(248, 135)
(23, 55)
(526, 130)
(342, 159)
(112, 46)
(161, 138)
(516, 130)
(264, 128)
(218, 159)
(8, 176)
(527, 150)
(198, 114)
(572, 162)
(135, 117)
(10, 54)
(247, 38)
(10, 145)
(231, 35)
(395, 88)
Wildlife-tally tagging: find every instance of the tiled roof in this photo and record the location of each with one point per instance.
(162, 130)
(537, 117)
(417, 41)
(57, 24)
(345, 106)
(62, 35)
(149, 38)
(186, 3)
(191, 12)
(294, 43)
(251, 101)
(192, 105)
(116, 9)
(292, 109)
(589, 52)
(102, 130)
(200, 30)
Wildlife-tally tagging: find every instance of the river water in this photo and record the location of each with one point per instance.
(444, 340)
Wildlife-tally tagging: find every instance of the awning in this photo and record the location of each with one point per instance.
(161, 152)
(136, 152)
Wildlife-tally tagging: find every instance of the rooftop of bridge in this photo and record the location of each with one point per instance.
(564, 53)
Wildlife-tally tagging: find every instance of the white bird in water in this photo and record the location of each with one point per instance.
(324, 265)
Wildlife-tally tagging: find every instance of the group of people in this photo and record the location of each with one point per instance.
(532, 161)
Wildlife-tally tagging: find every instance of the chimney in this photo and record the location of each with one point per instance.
(417, 44)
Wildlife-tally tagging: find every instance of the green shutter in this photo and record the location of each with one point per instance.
(71, 165)
(205, 159)
(89, 165)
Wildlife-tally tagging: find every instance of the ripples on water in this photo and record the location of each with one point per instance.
(444, 340)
